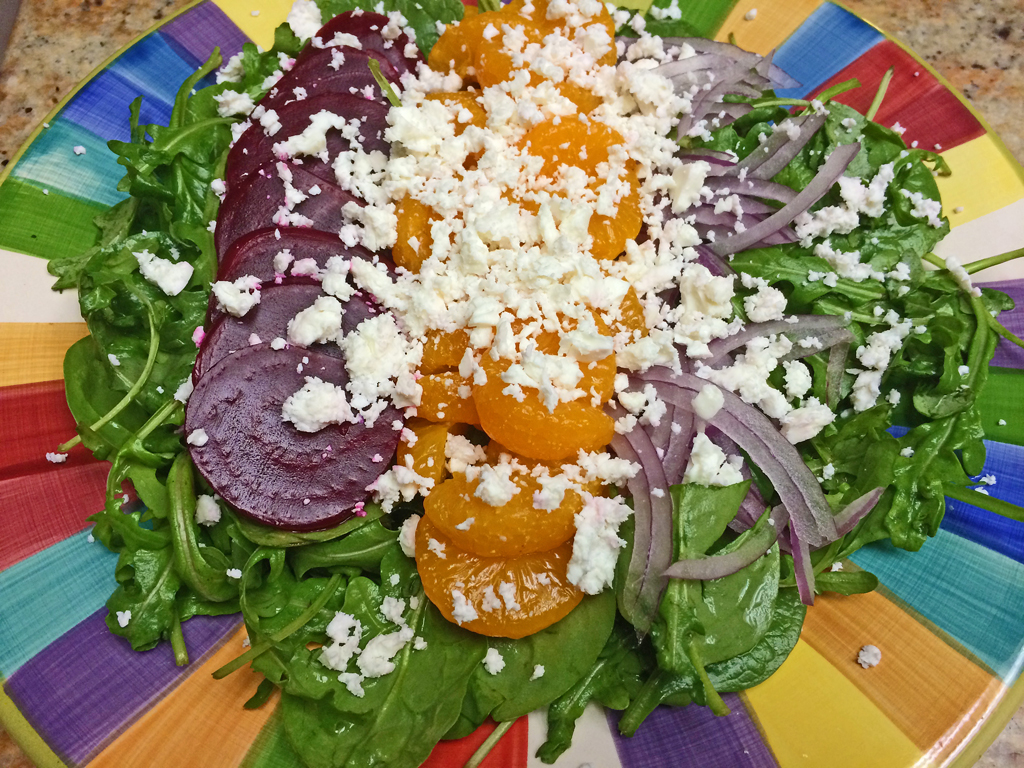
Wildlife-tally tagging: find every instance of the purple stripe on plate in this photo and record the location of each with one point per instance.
(87, 685)
(202, 29)
(692, 737)
(1008, 354)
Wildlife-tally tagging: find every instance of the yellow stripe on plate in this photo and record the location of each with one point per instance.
(201, 713)
(775, 21)
(260, 28)
(31, 352)
(922, 683)
(982, 181)
(811, 715)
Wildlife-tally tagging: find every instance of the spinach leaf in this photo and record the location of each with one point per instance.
(144, 598)
(614, 680)
(566, 650)
(733, 674)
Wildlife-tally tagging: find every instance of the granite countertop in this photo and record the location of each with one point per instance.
(976, 45)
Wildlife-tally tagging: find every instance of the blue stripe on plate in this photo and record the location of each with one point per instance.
(969, 591)
(102, 107)
(978, 525)
(153, 67)
(51, 163)
(45, 595)
(830, 39)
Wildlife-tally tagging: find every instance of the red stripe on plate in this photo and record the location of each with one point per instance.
(34, 420)
(40, 509)
(510, 752)
(929, 111)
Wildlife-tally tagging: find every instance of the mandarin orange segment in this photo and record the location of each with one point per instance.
(610, 233)
(414, 241)
(443, 350)
(427, 452)
(563, 143)
(631, 316)
(442, 400)
(455, 49)
(585, 101)
(529, 428)
(511, 530)
(538, 591)
(494, 63)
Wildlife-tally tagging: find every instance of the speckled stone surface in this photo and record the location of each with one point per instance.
(978, 46)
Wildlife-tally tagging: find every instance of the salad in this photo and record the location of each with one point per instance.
(492, 360)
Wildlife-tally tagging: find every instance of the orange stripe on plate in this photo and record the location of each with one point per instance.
(31, 352)
(984, 179)
(923, 684)
(200, 723)
(811, 715)
(775, 21)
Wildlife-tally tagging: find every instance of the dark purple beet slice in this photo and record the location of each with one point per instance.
(255, 202)
(318, 77)
(367, 28)
(255, 149)
(269, 320)
(254, 254)
(263, 466)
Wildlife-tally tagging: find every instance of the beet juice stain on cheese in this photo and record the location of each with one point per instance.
(496, 359)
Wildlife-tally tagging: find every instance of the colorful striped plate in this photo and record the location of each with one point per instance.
(947, 619)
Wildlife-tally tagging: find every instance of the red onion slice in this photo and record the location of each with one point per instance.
(751, 187)
(828, 173)
(796, 485)
(652, 539)
(779, 150)
(804, 570)
(834, 373)
(856, 510)
(756, 546)
(804, 327)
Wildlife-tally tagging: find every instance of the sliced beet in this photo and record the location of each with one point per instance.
(255, 149)
(366, 27)
(264, 467)
(269, 320)
(255, 202)
(254, 254)
(316, 75)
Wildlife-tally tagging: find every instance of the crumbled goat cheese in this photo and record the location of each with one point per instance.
(315, 406)
(304, 18)
(708, 464)
(462, 611)
(198, 438)
(869, 656)
(538, 672)
(168, 276)
(493, 661)
(231, 103)
(123, 617)
(207, 510)
(56, 458)
(407, 535)
(238, 297)
(596, 543)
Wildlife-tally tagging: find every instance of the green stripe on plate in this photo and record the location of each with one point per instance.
(271, 748)
(24, 734)
(1001, 399)
(41, 225)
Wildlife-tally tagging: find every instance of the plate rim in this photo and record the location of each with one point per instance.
(971, 748)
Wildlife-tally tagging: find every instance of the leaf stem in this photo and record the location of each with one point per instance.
(489, 743)
(290, 628)
(1005, 332)
(178, 642)
(882, 88)
(988, 503)
(385, 87)
(154, 348)
(714, 700)
(992, 261)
